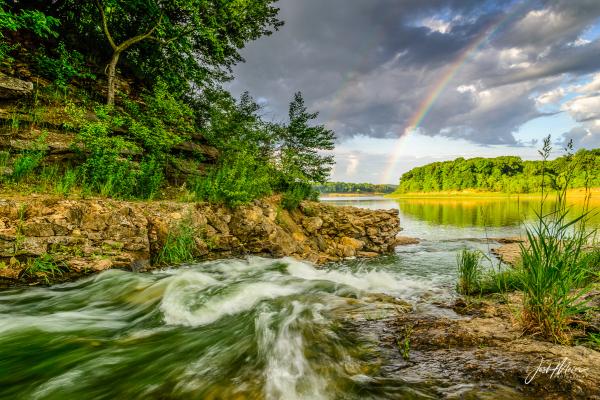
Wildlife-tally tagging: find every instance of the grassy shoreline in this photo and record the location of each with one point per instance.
(571, 193)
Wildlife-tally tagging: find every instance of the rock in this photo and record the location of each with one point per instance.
(405, 240)
(312, 224)
(92, 235)
(509, 253)
(353, 243)
(13, 88)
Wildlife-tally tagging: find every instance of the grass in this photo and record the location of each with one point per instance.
(469, 271)
(594, 340)
(555, 273)
(180, 245)
(558, 267)
(44, 266)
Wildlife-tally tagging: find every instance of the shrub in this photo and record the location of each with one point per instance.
(296, 193)
(25, 164)
(67, 182)
(235, 181)
(70, 64)
(43, 266)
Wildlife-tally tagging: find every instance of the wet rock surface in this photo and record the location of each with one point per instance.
(481, 348)
(87, 236)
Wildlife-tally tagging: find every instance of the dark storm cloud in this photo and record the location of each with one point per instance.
(368, 65)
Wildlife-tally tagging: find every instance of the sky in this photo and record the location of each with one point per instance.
(407, 82)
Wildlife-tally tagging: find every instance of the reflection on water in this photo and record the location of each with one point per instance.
(471, 212)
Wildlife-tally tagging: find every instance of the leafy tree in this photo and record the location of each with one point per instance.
(504, 174)
(301, 144)
(33, 20)
(178, 41)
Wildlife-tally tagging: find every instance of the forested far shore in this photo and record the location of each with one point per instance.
(505, 174)
(354, 188)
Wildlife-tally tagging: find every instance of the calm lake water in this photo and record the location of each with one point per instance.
(247, 329)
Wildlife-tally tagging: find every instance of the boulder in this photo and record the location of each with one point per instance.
(13, 88)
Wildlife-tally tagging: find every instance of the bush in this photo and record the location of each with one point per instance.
(296, 193)
(25, 164)
(235, 181)
(70, 64)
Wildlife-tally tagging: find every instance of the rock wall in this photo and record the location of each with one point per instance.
(87, 236)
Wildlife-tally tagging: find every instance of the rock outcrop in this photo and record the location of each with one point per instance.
(86, 236)
(13, 88)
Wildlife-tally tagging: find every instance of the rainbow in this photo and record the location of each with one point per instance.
(437, 89)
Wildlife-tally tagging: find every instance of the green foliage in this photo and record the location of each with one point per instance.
(594, 340)
(346, 187)
(181, 43)
(504, 174)
(28, 161)
(237, 180)
(180, 245)
(556, 269)
(176, 53)
(43, 266)
(35, 21)
(301, 144)
(161, 123)
(296, 193)
(556, 272)
(69, 65)
(469, 271)
(403, 341)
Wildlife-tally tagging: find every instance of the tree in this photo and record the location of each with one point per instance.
(179, 42)
(301, 144)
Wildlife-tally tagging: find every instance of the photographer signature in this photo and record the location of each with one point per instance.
(555, 369)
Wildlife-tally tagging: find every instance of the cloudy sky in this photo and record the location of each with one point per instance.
(407, 82)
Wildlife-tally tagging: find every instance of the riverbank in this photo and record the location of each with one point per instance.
(46, 239)
(467, 194)
(480, 339)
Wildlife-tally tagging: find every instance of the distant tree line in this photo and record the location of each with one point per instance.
(346, 187)
(504, 174)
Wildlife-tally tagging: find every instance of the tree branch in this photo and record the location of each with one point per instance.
(172, 39)
(131, 41)
(105, 25)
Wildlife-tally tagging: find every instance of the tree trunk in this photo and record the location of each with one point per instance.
(112, 72)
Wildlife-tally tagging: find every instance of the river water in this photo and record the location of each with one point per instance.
(247, 329)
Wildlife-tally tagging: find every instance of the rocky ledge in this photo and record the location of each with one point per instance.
(92, 235)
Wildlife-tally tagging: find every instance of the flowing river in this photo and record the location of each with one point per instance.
(248, 329)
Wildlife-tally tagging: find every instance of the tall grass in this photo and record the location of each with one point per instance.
(556, 267)
(555, 275)
(469, 271)
(180, 245)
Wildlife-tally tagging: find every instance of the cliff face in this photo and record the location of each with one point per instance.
(87, 236)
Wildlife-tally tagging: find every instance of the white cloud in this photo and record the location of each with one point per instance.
(466, 89)
(437, 25)
(551, 97)
(584, 108)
